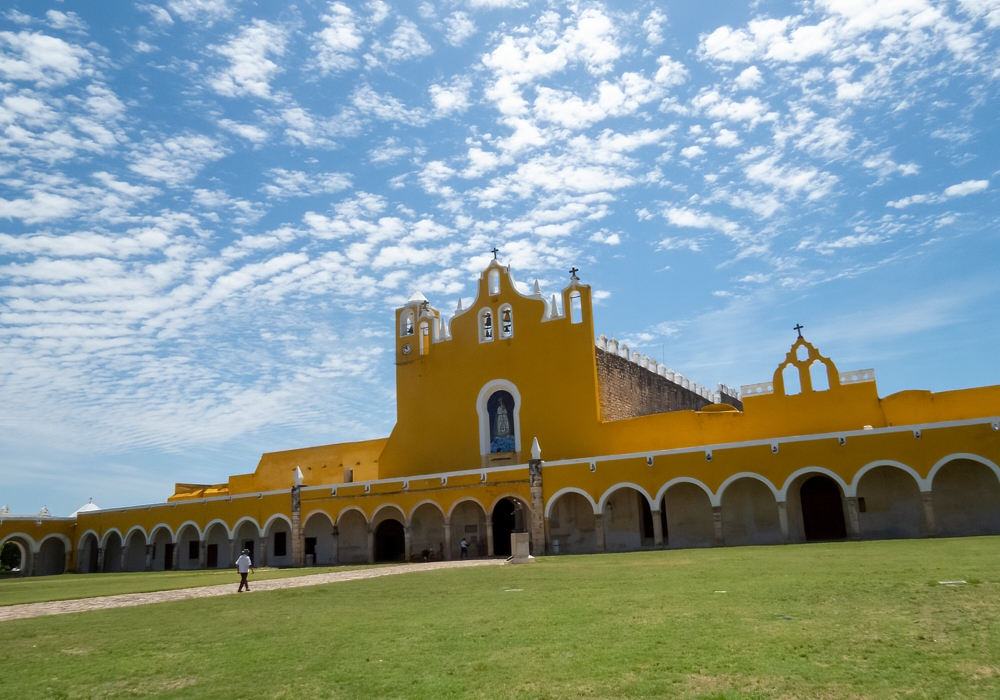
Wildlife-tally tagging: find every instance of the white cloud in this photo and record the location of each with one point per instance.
(749, 78)
(177, 159)
(653, 24)
(405, 43)
(625, 96)
(814, 183)
(495, 4)
(66, 21)
(385, 107)
(247, 131)
(728, 45)
(341, 38)
(692, 152)
(250, 70)
(459, 28)
(962, 189)
(295, 183)
(452, 98)
(966, 188)
(43, 206)
(200, 10)
(44, 60)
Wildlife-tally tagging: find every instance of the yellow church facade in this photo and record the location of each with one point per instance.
(511, 418)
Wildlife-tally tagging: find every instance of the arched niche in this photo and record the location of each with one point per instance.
(687, 510)
(966, 496)
(888, 504)
(750, 513)
(352, 537)
(627, 521)
(816, 507)
(493, 396)
(112, 552)
(218, 549)
(279, 542)
(468, 520)
(427, 532)
(572, 525)
(320, 542)
(51, 557)
(135, 544)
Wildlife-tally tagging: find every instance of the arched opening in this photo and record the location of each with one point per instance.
(390, 541)
(500, 408)
(494, 282)
(427, 533)
(247, 537)
(218, 550)
(572, 526)
(135, 560)
(352, 538)
(790, 376)
(86, 557)
(485, 326)
(12, 559)
(818, 376)
(51, 558)
(822, 509)
(888, 504)
(425, 338)
(406, 323)
(279, 543)
(575, 308)
(162, 554)
(506, 321)
(188, 548)
(687, 510)
(112, 553)
(802, 353)
(508, 517)
(750, 513)
(320, 546)
(468, 520)
(628, 521)
(966, 497)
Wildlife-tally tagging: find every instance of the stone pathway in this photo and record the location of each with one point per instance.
(127, 600)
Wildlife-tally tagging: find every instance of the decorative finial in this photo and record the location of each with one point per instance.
(459, 307)
(495, 251)
(536, 451)
(298, 476)
(537, 288)
(572, 274)
(798, 327)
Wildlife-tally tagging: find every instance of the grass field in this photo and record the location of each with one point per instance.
(844, 620)
(14, 591)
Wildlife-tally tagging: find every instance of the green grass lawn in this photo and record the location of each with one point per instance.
(14, 591)
(844, 620)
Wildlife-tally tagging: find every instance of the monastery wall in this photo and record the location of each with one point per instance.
(628, 390)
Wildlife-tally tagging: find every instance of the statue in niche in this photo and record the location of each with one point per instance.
(500, 407)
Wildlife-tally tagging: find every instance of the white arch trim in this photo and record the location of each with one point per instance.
(684, 480)
(426, 501)
(79, 542)
(745, 475)
(104, 538)
(67, 543)
(156, 528)
(384, 506)
(465, 499)
(135, 528)
(213, 523)
(32, 545)
(318, 511)
(183, 525)
(511, 495)
(247, 519)
(960, 455)
(853, 489)
(625, 484)
(348, 509)
(277, 516)
(484, 416)
(569, 489)
(783, 493)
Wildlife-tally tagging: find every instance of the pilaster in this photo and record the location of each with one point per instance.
(447, 539)
(538, 539)
(783, 521)
(930, 527)
(599, 530)
(720, 538)
(298, 544)
(853, 519)
(657, 529)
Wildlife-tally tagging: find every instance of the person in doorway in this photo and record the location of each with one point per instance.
(244, 566)
(465, 549)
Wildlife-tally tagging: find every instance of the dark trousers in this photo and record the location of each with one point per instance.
(243, 582)
(464, 554)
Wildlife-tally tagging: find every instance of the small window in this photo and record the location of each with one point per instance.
(193, 549)
(818, 376)
(792, 384)
(348, 475)
(406, 323)
(425, 340)
(311, 546)
(494, 282)
(575, 308)
(506, 322)
(802, 354)
(280, 544)
(486, 326)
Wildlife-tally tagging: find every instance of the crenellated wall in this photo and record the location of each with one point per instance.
(628, 390)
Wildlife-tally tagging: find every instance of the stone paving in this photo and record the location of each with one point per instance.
(127, 600)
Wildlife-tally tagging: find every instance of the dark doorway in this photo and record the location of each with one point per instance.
(92, 555)
(248, 545)
(647, 519)
(822, 512)
(168, 556)
(10, 557)
(212, 556)
(390, 542)
(663, 520)
(503, 525)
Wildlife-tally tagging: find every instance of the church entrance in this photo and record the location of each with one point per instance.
(505, 522)
(822, 512)
(390, 541)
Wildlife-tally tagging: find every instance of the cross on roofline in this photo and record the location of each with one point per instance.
(495, 251)
(573, 272)
(798, 327)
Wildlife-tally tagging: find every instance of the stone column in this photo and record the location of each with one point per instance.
(235, 550)
(548, 537)
(371, 545)
(150, 548)
(336, 545)
(657, 529)
(298, 544)
(447, 539)
(783, 521)
(489, 536)
(853, 525)
(720, 538)
(100, 559)
(175, 559)
(202, 554)
(29, 566)
(262, 550)
(538, 540)
(123, 559)
(599, 530)
(930, 527)
(407, 544)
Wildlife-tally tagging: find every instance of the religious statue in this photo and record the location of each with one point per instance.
(503, 430)
(503, 422)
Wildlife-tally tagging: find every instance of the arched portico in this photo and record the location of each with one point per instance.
(135, 550)
(966, 496)
(187, 552)
(467, 519)
(889, 503)
(352, 537)
(278, 541)
(427, 532)
(52, 557)
(16, 550)
(816, 504)
(504, 520)
(112, 548)
(571, 525)
(247, 535)
(87, 557)
(627, 518)
(687, 515)
(161, 542)
(320, 542)
(750, 512)
(388, 534)
(218, 546)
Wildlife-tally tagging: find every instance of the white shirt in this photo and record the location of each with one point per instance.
(243, 564)
(464, 543)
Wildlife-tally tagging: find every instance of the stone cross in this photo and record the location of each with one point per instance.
(798, 327)
(495, 251)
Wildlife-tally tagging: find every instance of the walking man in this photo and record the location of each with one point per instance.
(465, 549)
(244, 566)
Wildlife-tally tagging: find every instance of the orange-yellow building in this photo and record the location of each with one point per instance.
(633, 456)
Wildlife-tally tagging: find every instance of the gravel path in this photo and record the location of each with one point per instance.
(127, 600)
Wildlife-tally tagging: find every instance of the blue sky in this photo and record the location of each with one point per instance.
(209, 208)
